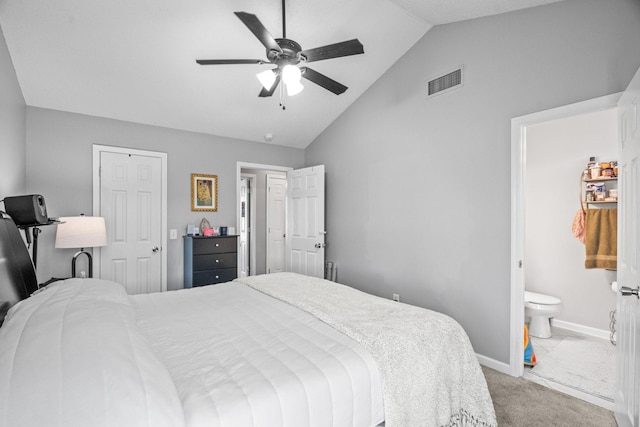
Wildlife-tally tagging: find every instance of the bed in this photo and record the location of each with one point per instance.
(272, 350)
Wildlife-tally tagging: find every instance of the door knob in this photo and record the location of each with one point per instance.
(320, 245)
(155, 249)
(627, 291)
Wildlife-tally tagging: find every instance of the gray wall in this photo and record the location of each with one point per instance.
(418, 191)
(12, 128)
(557, 152)
(59, 166)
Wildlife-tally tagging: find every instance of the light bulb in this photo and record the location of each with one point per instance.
(267, 79)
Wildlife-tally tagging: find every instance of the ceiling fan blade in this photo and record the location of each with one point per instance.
(322, 80)
(265, 93)
(253, 23)
(230, 61)
(346, 48)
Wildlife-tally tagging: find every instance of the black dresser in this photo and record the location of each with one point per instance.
(209, 260)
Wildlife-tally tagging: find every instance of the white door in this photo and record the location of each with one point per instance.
(627, 400)
(131, 203)
(305, 237)
(243, 250)
(276, 196)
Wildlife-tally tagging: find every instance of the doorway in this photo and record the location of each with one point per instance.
(522, 130)
(256, 211)
(246, 225)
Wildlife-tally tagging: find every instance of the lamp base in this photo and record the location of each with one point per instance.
(89, 260)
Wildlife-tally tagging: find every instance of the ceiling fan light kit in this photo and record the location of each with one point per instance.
(290, 59)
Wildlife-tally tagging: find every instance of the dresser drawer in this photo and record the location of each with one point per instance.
(214, 261)
(211, 277)
(214, 245)
(209, 260)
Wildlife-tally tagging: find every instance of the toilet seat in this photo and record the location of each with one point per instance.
(540, 299)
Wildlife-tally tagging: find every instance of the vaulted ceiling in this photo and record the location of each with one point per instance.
(134, 60)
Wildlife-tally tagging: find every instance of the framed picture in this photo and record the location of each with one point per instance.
(204, 192)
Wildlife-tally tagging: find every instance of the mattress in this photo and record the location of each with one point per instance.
(83, 353)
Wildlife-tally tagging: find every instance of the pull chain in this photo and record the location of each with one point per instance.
(282, 96)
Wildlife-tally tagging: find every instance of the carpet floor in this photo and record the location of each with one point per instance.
(523, 403)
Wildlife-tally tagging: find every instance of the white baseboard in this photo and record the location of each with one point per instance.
(494, 364)
(586, 330)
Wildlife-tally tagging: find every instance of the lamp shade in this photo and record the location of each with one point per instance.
(267, 79)
(81, 232)
(291, 76)
(294, 88)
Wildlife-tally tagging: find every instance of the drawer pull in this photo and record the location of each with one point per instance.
(217, 260)
(217, 277)
(217, 245)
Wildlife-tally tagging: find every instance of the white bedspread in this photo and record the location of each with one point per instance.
(431, 376)
(241, 358)
(72, 356)
(83, 353)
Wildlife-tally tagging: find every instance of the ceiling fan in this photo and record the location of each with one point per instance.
(290, 59)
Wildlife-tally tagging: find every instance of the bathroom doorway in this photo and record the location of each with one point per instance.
(550, 150)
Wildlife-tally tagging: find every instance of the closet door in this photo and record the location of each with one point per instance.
(131, 203)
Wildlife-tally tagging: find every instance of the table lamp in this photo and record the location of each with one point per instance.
(81, 232)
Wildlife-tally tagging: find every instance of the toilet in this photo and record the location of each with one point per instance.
(540, 308)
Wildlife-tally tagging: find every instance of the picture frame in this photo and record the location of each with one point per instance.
(204, 192)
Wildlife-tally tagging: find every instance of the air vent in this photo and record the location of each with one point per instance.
(444, 83)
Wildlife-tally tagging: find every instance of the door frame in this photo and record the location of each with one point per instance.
(259, 166)
(97, 151)
(252, 178)
(518, 222)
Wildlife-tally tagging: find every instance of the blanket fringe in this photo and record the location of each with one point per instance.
(465, 419)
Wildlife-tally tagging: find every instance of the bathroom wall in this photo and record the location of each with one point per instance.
(557, 153)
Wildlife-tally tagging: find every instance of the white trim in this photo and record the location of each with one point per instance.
(518, 167)
(97, 150)
(581, 329)
(258, 166)
(494, 364)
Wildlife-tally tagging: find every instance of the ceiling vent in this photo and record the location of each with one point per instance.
(444, 83)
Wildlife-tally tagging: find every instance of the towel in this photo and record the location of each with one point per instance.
(601, 242)
(578, 225)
